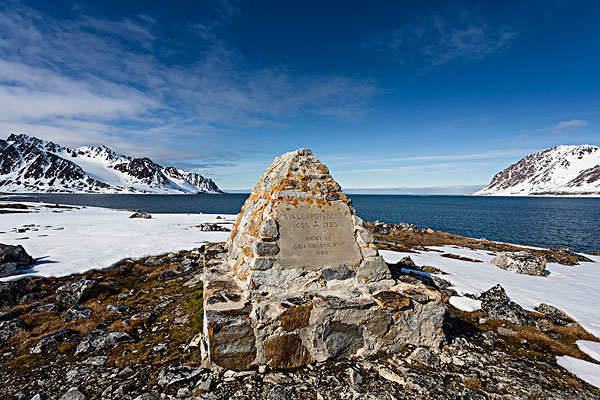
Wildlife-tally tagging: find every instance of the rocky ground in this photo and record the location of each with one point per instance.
(406, 237)
(132, 332)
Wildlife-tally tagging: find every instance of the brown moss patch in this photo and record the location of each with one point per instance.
(529, 342)
(296, 317)
(286, 352)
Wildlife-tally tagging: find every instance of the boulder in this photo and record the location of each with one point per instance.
(13, 259)
(521, 262)
(33, 295)
(44, 306)
(9, 328)
(77, 292)
(119, 309)
(8, 315)
(8, 269)
(141, 214)
(96, 360)
(77, 312)
(208, 227)
(503, 331)
(73, 394)
(566, 252)
(60, 336)
(373, 270)
(174, 375)
(406, 262)
(423, 356)
(163, 276)
(279, 392)
(555, 315)
(380, 228)
(495, 294)
(545, 327)
(99, 339)
(11, 293)
(155, 261)
(496, 305)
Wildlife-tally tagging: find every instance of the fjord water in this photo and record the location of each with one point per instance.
(539, 221)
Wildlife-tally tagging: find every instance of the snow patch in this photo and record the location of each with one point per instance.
(465, 303)
(584, 370)
(590, 348)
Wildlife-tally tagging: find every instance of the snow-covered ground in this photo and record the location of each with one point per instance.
(574, 290)
(70, 241)
(582, 369)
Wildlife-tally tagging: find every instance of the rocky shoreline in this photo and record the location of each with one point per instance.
(132, 332)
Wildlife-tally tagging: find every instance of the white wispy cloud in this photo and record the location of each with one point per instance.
(89, 80)
(440, 37)
(551, 131)
(467, 156)
(565, 125)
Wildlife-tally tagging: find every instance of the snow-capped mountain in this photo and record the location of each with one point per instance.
(559, 171)
(29, 164)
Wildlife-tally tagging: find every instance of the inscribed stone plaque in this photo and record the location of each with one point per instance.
(314, 237)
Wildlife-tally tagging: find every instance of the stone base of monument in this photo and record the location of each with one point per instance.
(300, 280)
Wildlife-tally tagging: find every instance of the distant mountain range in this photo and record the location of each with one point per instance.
(559, 171)
(32, 165)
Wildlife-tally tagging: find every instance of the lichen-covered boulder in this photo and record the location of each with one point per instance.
(521, 262)
(11, 293)
(99, 339)
(76, 292)
(60, 336)
(13, 259)
(496, 305)
(301, 280)
(78, 312)
(9, 328)
(141, 214)
(15, 254)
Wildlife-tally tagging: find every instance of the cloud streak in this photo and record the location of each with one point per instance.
(469, 156)
(560, 128)
(89, 80)
(566, 125)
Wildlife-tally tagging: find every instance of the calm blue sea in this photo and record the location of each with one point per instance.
(571, 222)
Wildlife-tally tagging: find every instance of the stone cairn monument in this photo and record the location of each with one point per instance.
(301, 280)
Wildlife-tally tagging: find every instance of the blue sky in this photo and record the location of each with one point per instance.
(387, 94)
